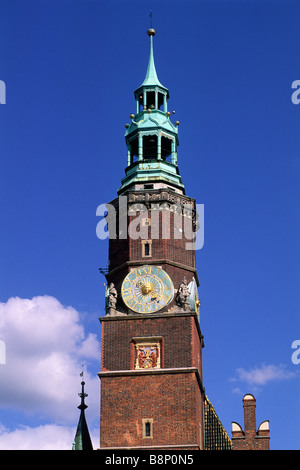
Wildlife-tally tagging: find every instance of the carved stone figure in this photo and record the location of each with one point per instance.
(183, 294)
(112, 296)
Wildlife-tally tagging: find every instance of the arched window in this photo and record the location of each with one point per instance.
(149, 147)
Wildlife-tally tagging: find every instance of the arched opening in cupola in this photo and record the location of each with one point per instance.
(151, 100)
(166, 149)
(149, 147)
(134, 150)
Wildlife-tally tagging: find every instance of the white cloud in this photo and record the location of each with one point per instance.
(90, 348)
(263, 374)
(45, 437)
(45, 347)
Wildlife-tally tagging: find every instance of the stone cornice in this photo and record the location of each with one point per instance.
(155, 195)
(154, 261)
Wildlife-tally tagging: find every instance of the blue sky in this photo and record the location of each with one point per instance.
(70, 69)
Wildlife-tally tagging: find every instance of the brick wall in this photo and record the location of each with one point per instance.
(167, 251)
(168, 227)
(180, 347)
(170, 396)
(172, 401)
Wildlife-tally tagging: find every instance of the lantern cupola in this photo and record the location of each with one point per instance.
(151, 137)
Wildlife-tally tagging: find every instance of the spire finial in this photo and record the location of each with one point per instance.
(82, 395)
(151, 31)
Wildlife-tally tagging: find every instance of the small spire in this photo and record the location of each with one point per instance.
(82, 440)
(151, 75)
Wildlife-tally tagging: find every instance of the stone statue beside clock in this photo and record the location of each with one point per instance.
(147, 289)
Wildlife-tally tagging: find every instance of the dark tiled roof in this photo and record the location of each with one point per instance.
(216, 437)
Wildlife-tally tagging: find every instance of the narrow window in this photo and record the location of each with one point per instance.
(147, 246)
(147, 424)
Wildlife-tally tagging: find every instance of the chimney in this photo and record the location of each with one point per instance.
(250, 438)
(249, 404)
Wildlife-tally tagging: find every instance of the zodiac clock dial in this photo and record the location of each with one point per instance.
(147, 289)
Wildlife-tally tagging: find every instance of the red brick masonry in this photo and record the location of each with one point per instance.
(250, 438)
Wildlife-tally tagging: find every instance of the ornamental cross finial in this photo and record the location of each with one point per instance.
(82, 394)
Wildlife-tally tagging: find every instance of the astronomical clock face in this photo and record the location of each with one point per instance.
(147, 289)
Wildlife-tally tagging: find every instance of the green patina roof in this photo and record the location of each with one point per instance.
(151, 78)
(155, 119)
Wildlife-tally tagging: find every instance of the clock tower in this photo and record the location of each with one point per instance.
(152, 394)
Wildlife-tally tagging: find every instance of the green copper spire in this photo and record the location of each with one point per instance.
(82, 440)
(151, 75)
(151, 138)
